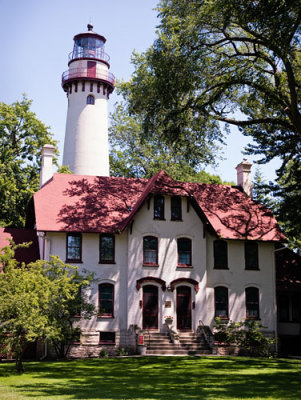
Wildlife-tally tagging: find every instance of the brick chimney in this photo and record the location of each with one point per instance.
(46, 172)
(244, 176)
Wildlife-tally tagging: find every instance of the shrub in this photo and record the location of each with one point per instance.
(246, 335)
(103, 353)
(121, 351)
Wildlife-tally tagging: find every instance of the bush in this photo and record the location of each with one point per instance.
(103, 353)
(246, 335)
(121, 351)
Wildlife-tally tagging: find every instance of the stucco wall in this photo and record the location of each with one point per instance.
(237, 279)
(129, 268)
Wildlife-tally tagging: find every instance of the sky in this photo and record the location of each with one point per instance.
(37, 36)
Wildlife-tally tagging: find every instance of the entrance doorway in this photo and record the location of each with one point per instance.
(184, 308)
(150, 307)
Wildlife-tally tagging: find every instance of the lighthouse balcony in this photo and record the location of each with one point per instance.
(75, 74)
(97, 54)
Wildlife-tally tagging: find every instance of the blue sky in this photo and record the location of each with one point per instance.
(37, 36)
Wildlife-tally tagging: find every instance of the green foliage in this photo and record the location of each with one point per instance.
(22, 137)
(226, 63)
(39, 301)
(103, 353)
(135, 155)
(246, 335)
(121, 351)
(64, 169)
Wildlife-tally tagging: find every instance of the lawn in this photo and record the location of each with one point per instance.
(154, 378)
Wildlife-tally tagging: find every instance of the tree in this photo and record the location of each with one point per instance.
(222, 63)
(38, 301)
(22, 137)
(133, 155)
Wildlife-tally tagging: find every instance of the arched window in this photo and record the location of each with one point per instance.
(252, 303)
(221, 302)
(220, 254)
(184, 252)
(150, 250)
(106, 300)
(251, 255)
(90, 99)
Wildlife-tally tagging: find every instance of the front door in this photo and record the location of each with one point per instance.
(91, 69)
(184, 308)
(150, 307)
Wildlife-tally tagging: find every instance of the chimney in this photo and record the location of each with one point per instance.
(46, 172)
(244, 176)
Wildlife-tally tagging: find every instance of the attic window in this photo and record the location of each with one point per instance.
(107, 249)
(220, 250)
(251, 255)
(74, 247)
(176, 208)
(158, 207)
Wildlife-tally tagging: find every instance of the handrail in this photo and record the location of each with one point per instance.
(204, 327)
(75, 73)
(98, 54)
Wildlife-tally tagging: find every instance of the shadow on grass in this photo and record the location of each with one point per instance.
(161, 378)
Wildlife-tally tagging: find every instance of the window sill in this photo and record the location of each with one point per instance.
(223, 318)
(177, 220)
(150, 265)
(159, 219)
(105, 316)
(253, 319)
(252, 269)
(107, 344)
(221, 269)
(107, 262)
(74, 261)
(182, 266)
(76, 316)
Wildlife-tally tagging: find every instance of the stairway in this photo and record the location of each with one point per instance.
(189, 344)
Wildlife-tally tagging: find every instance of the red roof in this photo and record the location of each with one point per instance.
(19, 236)
(78, 203)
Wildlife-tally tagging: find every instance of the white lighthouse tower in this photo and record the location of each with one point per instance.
(88, 84)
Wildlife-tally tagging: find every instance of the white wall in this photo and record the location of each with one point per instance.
(128, 269)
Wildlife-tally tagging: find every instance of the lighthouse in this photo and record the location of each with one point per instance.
(88, 84)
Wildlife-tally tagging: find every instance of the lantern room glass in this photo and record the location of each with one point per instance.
(88, 47)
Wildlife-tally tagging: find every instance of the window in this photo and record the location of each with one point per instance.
(106, 337)
(74, 247)
(107, 249)
(221, 301)
(106, 300)
(158, 207)
(176, 208)
(220, 254)
(251, 255)
(252, 303)
(90, 99)
(184, 252)
(284, 308)
(289, 307)
(150, 250)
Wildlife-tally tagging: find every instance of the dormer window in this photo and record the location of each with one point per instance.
(90, 99)
(220, 252)
(158, 207)
(176, 208)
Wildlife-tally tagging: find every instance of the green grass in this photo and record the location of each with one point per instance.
(213, 378)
